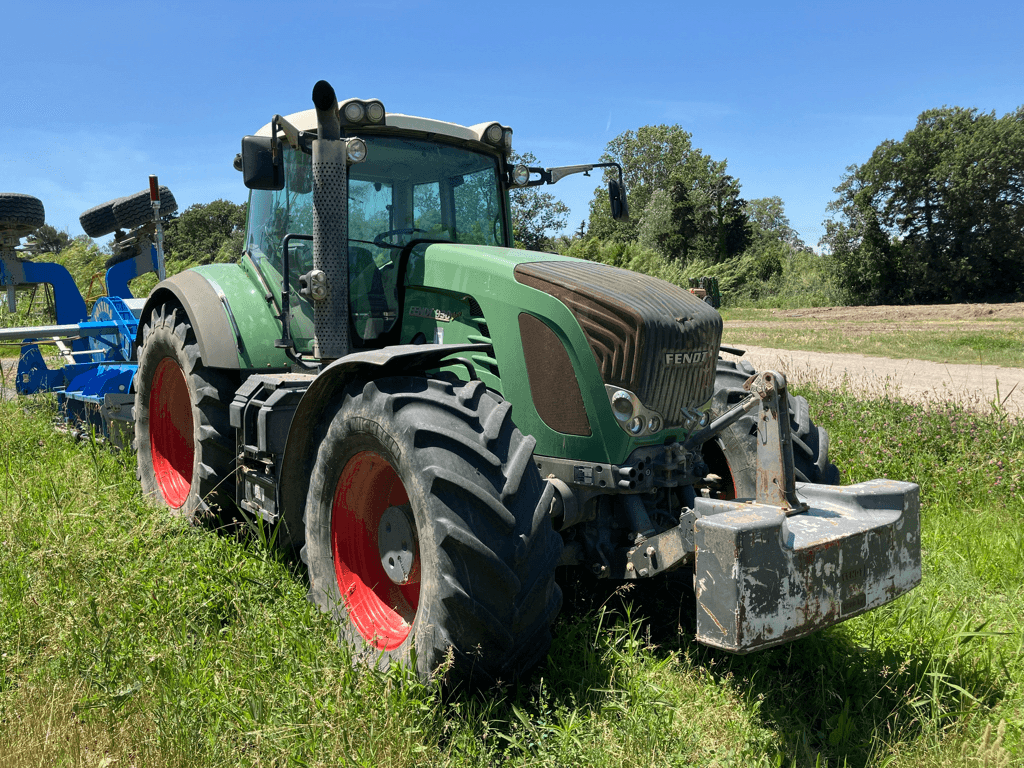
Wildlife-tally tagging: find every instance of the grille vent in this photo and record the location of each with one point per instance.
(477, 318)
(553, 384)
(636, 325)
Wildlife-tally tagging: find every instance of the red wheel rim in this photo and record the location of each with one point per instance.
(171, 432)
(380, 610)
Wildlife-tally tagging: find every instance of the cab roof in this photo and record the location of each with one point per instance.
(306, 121)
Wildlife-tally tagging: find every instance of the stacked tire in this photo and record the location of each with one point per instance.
(20, 215)
(125, 212)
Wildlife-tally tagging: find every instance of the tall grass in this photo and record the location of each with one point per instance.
(129, 638)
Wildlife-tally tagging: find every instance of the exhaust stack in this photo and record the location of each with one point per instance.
(330, 229)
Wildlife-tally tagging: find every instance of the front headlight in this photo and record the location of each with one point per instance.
(494, 133)
(520, 175)
(632, 416)
(356, 150)
(354, 112)
(623, 405)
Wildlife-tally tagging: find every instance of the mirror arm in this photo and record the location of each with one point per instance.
(291, 133)
(553, 175)
(612, 165)
(543, 173)
(300, 140)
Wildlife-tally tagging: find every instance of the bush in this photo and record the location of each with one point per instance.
(775, 275)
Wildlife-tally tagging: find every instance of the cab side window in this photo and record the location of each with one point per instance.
(273, 214)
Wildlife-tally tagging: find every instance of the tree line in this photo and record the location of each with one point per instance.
(935, 217)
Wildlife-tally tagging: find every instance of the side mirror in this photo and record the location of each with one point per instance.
(258, 168)
(617, 199)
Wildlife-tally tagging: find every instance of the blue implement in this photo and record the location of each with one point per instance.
(119, 275)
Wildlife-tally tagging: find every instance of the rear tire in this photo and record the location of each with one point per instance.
(183, 435)
(479, 546)
(733, 453)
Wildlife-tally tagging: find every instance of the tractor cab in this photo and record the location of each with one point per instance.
(407, 192)
(410, 182)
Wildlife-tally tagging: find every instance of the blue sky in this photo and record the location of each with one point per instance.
(98, 96)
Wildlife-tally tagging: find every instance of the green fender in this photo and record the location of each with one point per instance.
(304, 432)
(234, 322)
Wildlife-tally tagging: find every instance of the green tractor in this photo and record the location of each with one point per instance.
(437, 421)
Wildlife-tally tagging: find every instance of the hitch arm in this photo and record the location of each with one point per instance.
(776, 470)
(726, 420)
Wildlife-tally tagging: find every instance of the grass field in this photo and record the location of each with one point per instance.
(992, 342)
(130, 639)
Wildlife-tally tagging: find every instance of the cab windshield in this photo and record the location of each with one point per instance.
(405, 189)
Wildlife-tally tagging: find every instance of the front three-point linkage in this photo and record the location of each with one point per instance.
(776, 476)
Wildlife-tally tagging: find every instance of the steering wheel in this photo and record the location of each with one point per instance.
(380, 242)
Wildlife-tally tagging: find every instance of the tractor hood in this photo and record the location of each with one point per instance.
(647, 336)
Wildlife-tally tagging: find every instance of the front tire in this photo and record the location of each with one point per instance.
(183, 435)
(467, 567)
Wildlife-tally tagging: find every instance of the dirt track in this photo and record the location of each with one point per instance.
(931, 315)
(918, 380)
(971, 384)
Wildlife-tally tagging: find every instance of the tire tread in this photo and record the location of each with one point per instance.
(135, 210)
(486, 507)
(21, 214)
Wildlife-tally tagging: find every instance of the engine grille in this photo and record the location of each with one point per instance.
(648, 336)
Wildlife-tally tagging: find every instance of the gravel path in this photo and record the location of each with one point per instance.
(976, 386)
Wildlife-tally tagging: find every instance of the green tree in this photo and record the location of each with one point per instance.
(937, 216)
(773, 242)
(669, 222)
(48, 239)
(683, 202)
(536, 215)
(652, 157)
(769, 223)
(727, 216)
(206, 232)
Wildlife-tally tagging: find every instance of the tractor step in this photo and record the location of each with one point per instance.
(261, 413)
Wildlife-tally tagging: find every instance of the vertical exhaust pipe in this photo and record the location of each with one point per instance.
(330, 229)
